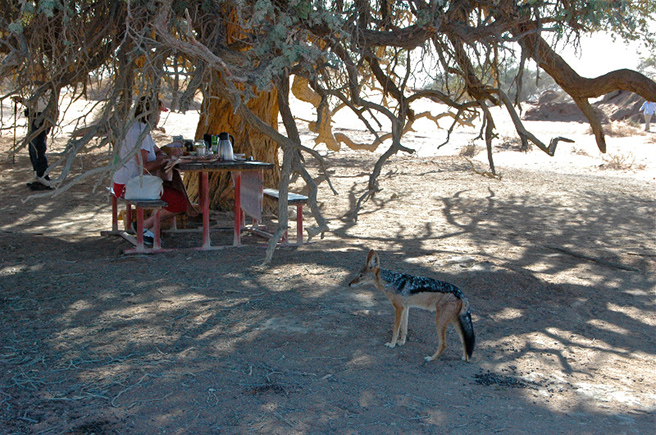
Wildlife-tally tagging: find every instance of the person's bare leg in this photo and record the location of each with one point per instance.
(178, 184)
(163, 216)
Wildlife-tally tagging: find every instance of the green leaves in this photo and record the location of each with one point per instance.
(15, 27)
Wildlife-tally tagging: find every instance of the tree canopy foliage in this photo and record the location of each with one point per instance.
(332, 53)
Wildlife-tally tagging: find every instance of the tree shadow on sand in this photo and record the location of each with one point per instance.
(210, 342)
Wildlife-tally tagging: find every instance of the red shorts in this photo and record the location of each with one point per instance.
(176, 199)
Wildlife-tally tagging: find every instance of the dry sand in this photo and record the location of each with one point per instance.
(557, 259)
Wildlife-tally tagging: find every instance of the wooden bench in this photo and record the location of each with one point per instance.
(140, 205)
(293, 199)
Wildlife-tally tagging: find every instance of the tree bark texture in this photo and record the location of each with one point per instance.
(219, 116)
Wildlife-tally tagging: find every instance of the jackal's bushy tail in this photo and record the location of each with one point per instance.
(467, 331)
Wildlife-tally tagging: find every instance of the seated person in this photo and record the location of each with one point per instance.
(153, 159)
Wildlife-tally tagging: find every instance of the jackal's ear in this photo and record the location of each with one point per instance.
(372, 260)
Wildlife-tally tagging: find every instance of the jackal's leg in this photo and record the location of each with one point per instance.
(398, 314)
(461, 333)
(441, 336)
(404, 325)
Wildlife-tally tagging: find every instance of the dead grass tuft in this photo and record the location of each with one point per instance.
(469, 150)
(620, 129)
(620, 162)
(514, 144)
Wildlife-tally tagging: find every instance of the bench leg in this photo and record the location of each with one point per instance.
(114, 214)
(157, 242)
(299, 224)
(140, 239)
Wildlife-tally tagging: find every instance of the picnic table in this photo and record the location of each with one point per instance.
(248, 179)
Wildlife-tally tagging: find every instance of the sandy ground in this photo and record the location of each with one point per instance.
(557, 258)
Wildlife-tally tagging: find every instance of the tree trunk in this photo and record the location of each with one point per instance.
(217, 115)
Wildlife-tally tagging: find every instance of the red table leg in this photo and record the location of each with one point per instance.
(204, 189)
(238, 219)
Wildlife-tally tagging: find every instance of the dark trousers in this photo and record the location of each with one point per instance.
(37, 147)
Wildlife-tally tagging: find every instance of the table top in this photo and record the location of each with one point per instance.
(214, 164)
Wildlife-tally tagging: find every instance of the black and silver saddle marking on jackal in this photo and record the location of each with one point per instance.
(406, 284)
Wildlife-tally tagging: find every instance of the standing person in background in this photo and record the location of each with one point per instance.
(39, 125)
(648, 109)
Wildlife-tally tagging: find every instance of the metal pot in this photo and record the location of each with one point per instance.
(225, 146)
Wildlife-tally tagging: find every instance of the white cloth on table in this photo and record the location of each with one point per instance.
(251, 194)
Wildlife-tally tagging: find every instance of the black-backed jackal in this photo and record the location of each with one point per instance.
(406, 291)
